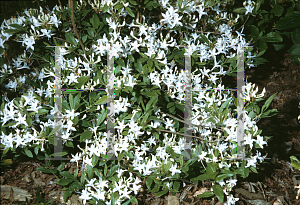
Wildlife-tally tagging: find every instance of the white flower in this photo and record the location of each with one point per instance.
(21, 120)
(72, 78)
(47, 33)
(85, 195)
(54, 20)
(260, 141)
(249, 9)
(71, 114)
(202, 155)
(75, 158)
(174, 170)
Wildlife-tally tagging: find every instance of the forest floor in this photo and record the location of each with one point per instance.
(276, 179)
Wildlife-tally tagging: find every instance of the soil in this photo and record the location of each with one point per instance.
(276, 179)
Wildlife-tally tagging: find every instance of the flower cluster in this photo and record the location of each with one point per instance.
(172, 77)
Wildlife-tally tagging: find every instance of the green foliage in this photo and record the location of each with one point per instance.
(295, 162)
(272, 23)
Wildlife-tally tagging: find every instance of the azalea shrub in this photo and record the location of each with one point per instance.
(146, 40)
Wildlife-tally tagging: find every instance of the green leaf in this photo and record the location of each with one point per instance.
(296, 36)
(9, 124)
(295, 54)
(288, 22)
(295, 162)
(66, 195)
(48, 171)
(176, 186)
(138, 65)
(118, 6)
(3, 77)
(113, 200)
(75, 186)
(241, 10)
(28, 153)
(102, 100)
(64, 182)
(132, 2)
(149, 93)
(71, 39)
(223, 176)
(134, 200)
(42, 111)
(29, 121)
(71, 101)
(151, 102)
(205, 194)
(218, 192)
(202, 177)
(179, 3)
(252, 114)
(86, 135)
(67, 174)
(91, 32)
(112, 170)
(95, 21)
(94, 160)
(89, 172)
(254, 169)
(149, 181)
(163, 192)
(145, 118)
(82, 178)
(81, 81)
(61, 167)
(105, 170)
(101, 117)
(274, 37)
(105, 8)
(84, 38)
(17, 26)
(54, 130)
(59, 154)
(267, 103)
(277, 10)
(11, 31)
(254, 32)
(129, 11)
(211, 170)
(171, 104)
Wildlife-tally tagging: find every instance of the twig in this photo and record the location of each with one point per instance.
(74, 25)
(187, 122)
(243, 23)
(85, 15)
(184, 135)
(62, 39)
(61, 6)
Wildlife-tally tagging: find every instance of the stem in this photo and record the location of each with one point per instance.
(74, 25)
(61, 6)
(61, 39)
(183, 134)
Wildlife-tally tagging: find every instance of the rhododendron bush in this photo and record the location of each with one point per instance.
(149, 41)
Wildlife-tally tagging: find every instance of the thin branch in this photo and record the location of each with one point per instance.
(243, 23)
(85, 15)
(185, 135)
(62, 39)
(188, 123)
(74, 25)
(61, 5)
